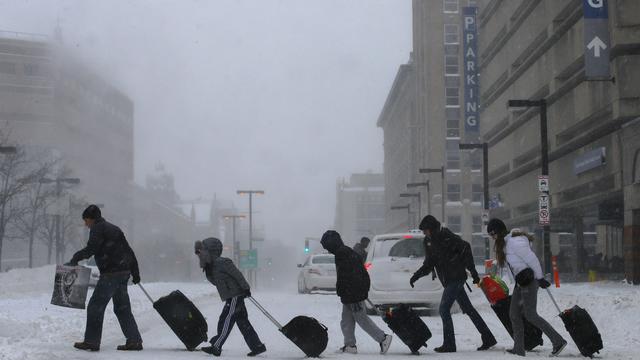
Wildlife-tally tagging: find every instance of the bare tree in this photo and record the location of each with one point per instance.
(36, 198)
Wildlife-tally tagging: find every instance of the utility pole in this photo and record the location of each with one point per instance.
(442, 174)
(251, 192)
(408, 207)
(236, 245)
(419, 184)
(485, 184)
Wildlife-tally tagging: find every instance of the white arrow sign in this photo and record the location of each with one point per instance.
(596, 44)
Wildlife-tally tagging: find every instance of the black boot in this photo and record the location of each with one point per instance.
(131, 346)
(211, 350)
(487, 344)
(445, 349)
(259, 350)
(86, 346)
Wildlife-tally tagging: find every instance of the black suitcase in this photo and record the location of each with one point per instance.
(306, 332)
(581, 327)
(532, 335)
(183, 317)
(408, 326)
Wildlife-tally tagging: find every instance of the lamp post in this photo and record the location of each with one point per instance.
(408, 207)
(59, 182)
(426, 184)
(544, 159)
(416, 195)
(442, 173)
(485, 183)
(250, 192)
(236, 247)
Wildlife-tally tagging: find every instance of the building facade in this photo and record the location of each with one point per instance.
(360, 207)
(538, 50)
(52, 104)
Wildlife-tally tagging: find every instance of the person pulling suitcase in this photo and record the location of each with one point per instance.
(233, 289)
(513, 250)
(352, 286)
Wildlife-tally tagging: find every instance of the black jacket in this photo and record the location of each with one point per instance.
(222, 272)
(352, 283)
(449, 255)
(108, 245)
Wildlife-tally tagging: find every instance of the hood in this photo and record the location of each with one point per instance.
(331, 241)
(208, 250)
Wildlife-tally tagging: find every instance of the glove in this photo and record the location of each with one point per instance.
(247, 293)
(413, 279)
(543, 283)
(135, 278)
(476, 280)
(71, 263)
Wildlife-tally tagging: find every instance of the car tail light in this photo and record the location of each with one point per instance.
(368, 266)
(315, 271)
(408, 236)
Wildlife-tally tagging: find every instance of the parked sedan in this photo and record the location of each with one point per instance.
(317, 273)
(391, 261)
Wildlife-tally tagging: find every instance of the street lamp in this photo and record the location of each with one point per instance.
(250, 192)
(420, 184)
(416, 195)
(485, 182)
(236, 247)
(442, 174)
(408, 207)
(544, 158)
(58, 182)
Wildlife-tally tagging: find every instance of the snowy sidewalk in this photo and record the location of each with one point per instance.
(31, 328)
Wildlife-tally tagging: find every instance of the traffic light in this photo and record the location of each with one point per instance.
(306, 246)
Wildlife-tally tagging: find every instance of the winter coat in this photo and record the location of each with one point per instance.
(109, 247)
(352, 279)
(360, 250)
(520, 255)
(449, 255)
(221, 271)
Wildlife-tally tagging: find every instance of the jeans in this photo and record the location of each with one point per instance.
(110, 286)
(523, 303)
(455, 292)
(235, 311)
(355, 313)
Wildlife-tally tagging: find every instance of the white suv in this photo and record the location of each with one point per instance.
(317, 273)
(391, 261)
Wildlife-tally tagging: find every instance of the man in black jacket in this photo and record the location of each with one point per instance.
(450, 257)
(352, 286)
(116, 261)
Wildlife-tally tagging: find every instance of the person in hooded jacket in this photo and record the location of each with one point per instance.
(361, 248)
(233, 289)
(450, 257)
(117, 262)
(513, 251)
(352, 286)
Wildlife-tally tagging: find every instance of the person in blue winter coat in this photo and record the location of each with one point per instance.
(513, 251)
(233, 289)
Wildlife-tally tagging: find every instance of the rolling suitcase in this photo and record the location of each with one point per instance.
(532, 335)
(306, 332)
(407, 325)
(581, 327)
(182, 316)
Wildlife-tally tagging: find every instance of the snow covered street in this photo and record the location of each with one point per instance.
(31, 328)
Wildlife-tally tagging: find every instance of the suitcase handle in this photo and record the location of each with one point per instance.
(554, 301)
(145, 292)
(375, 308)
(265, 312)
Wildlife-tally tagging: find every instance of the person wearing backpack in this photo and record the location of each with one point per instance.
(233, 289)
(352, 286)
(513, 251)
(450, 257)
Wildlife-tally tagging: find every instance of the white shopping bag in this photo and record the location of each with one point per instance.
(70, 286)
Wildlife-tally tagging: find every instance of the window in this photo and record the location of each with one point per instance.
(451, 49)
(477, 224)
(475, 160)
(324, 259)
(451, 65)
(453, 128)
(450, 6)
(31, 69)
(477, 193)
(396, 247)
(452, 81)
(7, 67)
(451, 96)
(451, 34)
(453, 156)
(453, 192)
(454, 224)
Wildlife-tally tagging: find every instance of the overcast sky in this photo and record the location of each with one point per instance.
(276, 95)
